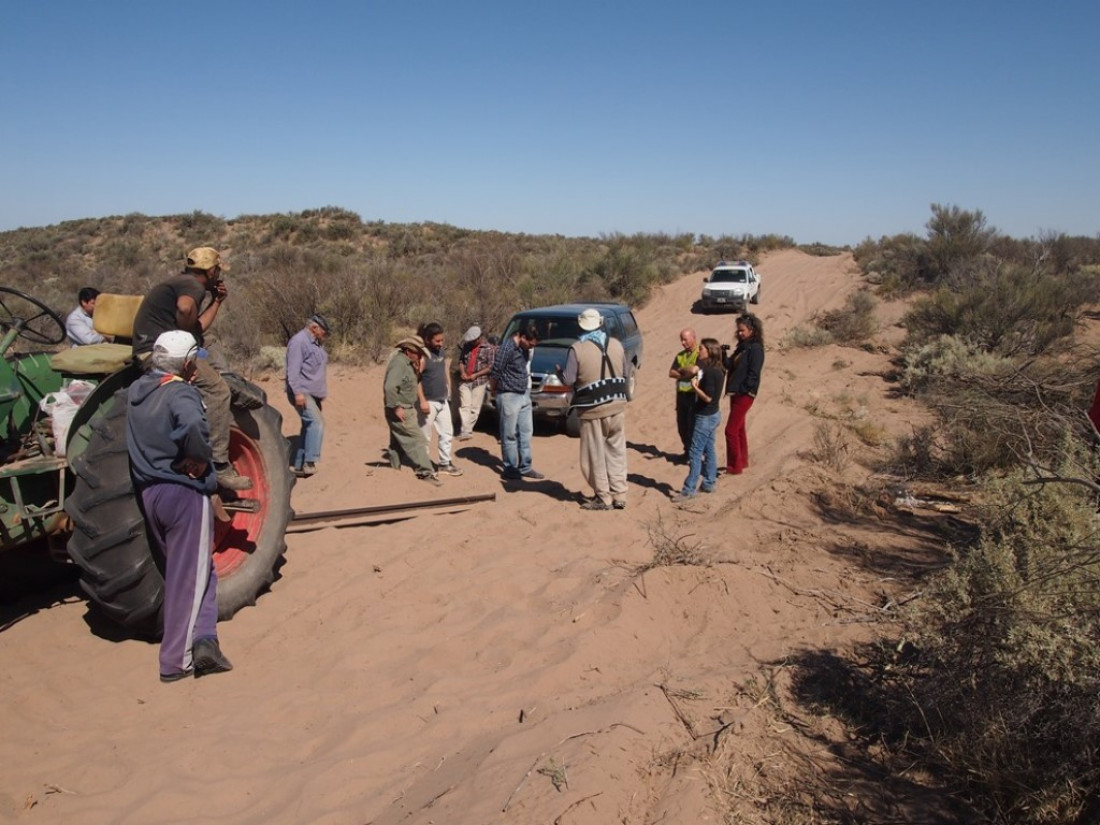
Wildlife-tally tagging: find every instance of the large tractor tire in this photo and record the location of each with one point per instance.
(122, 572)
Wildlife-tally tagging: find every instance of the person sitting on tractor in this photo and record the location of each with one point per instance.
(176, 304)
(79, 326)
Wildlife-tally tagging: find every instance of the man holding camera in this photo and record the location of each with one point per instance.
(177, 304)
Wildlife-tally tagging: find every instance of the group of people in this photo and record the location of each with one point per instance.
(179, 416)
(417, 392)
(701, 369)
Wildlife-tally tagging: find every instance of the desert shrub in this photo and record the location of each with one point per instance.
(957, 240)
(851, 324)
(896, 265)
(201, 225)
(949, 357)
(821, 250)
(996, 414)
(831, 445)
(1002, 687)
(806, 338)
(1006, 309)
(854, 322)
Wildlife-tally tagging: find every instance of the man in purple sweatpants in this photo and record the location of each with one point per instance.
(168, 440)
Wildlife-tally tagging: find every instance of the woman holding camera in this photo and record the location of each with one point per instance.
(742, 383)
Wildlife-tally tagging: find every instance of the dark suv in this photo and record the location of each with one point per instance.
(558, 331)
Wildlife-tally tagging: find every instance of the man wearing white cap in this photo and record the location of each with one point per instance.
(168, 440)
(596, 368)
(475, 361)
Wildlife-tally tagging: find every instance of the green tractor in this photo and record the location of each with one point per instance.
(73, 489)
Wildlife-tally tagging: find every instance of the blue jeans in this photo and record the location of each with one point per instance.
(702, 456)
(516, 429)
(313, 432)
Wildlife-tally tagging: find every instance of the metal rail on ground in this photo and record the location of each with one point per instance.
(314, 521)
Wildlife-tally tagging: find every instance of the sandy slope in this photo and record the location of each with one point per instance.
(448, 667)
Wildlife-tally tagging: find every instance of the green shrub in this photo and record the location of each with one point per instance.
(949, 357)
(1004, 684)
(854, 322)
(1005, 309)
(806, 338)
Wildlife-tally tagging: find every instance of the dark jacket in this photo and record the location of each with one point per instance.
(165, 421)
(744, 367)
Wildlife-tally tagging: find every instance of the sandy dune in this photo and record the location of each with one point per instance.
(452, 668)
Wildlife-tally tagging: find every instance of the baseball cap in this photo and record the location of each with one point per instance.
(176, 344)
(205, 257)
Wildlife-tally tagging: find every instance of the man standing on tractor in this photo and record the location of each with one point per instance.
(176, 304)
(168, 440)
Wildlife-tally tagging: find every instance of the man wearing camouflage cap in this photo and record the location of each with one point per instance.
(177, 304)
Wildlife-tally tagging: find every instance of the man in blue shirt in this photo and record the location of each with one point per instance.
(306, 389)
(510, 379)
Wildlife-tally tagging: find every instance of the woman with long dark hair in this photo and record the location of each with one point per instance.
(742, 383)
(706, 384)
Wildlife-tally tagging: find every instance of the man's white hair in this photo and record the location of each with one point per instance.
(170, 363)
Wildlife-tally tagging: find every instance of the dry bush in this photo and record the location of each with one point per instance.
(670, 549)
(1002, 686)
(831, 445)
(805, 338)
(854, 322)
(997, 416)
(1008, 309)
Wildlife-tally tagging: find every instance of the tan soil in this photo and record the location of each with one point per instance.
(449, 667)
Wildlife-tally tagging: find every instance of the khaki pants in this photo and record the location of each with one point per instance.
(217, 397)
(408, 441)
(470, 399)
(603, 456)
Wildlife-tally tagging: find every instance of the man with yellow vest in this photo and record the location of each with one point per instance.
(683, 368)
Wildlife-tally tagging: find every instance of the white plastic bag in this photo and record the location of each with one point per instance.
(61, 408)
(79, 390)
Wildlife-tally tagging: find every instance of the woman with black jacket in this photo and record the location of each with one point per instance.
(742, 383)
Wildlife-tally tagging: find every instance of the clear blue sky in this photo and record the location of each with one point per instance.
(825, 120)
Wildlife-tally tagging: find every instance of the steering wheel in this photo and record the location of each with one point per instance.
(31, 318)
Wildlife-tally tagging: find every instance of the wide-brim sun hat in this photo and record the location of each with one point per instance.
(589, 320)
(413, 342)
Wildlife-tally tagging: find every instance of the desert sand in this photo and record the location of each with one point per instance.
(503, 662)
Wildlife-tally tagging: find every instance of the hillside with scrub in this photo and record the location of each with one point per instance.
(892, 616)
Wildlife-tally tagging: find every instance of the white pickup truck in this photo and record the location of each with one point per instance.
(731, 285)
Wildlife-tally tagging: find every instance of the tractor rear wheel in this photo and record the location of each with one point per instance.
(122, 571)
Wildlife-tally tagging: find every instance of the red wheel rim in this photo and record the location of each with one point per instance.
(235, 540)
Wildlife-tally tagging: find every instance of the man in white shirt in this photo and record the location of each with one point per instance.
(79, 326)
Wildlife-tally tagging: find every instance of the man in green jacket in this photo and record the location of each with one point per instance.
(406, 437)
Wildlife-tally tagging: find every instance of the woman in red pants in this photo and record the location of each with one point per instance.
(743, 370)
